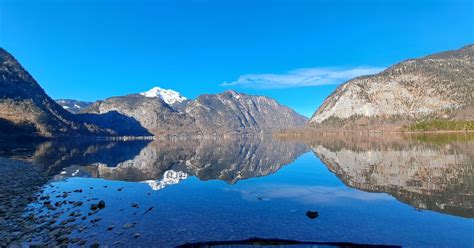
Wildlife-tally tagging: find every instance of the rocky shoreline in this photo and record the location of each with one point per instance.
(19, 184)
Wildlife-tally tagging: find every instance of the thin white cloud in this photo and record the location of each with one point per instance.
(302, 77)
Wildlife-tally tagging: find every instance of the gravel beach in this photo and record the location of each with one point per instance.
(19, 183)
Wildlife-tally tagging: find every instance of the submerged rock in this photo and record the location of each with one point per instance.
(101, 204)
(312, 214)
(129, 225)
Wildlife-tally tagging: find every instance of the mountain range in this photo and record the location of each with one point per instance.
(25, 109)
(435, 87)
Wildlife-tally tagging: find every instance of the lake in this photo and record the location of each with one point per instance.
(409, 191)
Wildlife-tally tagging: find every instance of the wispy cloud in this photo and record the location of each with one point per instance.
(302, 77)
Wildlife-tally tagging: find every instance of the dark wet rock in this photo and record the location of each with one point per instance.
(95, 244)
(110, 228)
(94, 207)
(135, 205)
(96, 220)
(78, 191)
(62, 239)
(120, 189)
(77, 204)
(312, 214)
(148, 210)
(136, 235)
(101, 204)
(42, 198)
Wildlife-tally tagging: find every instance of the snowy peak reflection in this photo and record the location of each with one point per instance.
(170, 177)
(229, 159)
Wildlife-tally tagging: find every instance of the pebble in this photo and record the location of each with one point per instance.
(128, 225)
(312, 214)
(81, 242)
(95, 245)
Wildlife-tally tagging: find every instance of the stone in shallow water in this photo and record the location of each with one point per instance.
(101, 204)
(312, 214)
(128, 225)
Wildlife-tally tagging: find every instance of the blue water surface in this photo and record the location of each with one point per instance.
(272, 206)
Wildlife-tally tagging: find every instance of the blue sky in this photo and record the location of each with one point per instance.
(295, 51)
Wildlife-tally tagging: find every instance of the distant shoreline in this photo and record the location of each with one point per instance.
(322, 131)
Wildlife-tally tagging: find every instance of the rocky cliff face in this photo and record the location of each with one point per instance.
(435, 86)
(228, 112)
(152, 113)
(233, 112)
(25, 109)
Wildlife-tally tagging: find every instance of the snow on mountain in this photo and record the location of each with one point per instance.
(73, 106)
(169, 96)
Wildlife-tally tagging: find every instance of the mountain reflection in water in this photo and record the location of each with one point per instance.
(230, 160)
(270, 183)
(433, 172)
(427, 172)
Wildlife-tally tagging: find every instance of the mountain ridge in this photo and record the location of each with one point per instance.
(434, 86)
(208, 114)
(26, 109)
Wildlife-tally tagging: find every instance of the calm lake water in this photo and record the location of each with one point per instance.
(406, 191)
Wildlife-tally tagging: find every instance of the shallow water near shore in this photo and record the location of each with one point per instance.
(382, 190)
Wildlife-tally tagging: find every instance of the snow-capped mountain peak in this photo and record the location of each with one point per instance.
(169, 96)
